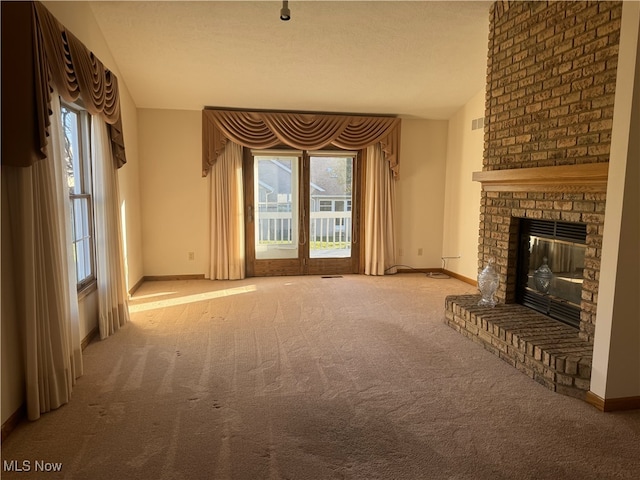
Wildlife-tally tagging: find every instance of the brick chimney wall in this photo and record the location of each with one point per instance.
(551, 78)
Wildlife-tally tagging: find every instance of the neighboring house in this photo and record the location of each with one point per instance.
(330, 201)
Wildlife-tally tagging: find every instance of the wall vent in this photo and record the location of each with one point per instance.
(477, 123)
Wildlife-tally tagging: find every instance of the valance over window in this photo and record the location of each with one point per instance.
(44, 54)
(303, 131)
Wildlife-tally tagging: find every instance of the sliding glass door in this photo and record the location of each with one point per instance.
(301, 212)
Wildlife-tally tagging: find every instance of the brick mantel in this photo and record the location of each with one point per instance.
(590, 177)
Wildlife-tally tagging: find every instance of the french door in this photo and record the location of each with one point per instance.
(302, 212)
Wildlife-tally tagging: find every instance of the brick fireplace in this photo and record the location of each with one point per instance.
(551, 352)
(573, 193)
(551, 79)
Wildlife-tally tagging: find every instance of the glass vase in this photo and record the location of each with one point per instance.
(488, 285)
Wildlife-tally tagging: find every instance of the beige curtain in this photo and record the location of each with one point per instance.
(41, 53)
(44, 275)
(113, 309)
(227, 215)
(379, 204)
(42, 60)
(302, 131)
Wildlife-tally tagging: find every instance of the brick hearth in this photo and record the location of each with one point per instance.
(547, 351)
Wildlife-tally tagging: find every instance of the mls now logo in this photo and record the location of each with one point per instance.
(28, 466)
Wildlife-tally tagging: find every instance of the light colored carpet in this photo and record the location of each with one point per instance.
(314, 378)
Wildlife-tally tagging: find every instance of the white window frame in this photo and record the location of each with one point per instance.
(81, 200)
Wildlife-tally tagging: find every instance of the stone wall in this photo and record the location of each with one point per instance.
(551, 80)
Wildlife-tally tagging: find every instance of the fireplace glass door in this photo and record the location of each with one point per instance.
(550, 268)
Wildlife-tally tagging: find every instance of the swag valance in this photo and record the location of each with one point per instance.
(39, 53)
(302, 131)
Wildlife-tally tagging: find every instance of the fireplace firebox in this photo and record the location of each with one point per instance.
(550, 268)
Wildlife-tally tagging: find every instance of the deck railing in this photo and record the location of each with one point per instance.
(327, 229)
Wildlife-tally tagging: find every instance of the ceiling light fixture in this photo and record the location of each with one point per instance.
(285, 13)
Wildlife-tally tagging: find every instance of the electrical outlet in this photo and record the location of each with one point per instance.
(192, 256)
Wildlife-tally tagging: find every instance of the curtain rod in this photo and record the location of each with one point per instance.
(301, 112)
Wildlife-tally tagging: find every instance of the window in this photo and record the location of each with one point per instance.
(77, 158)
(326, 206)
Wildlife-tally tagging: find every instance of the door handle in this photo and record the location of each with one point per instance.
(302, 236)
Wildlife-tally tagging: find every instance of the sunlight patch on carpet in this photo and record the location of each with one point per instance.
(198, 297)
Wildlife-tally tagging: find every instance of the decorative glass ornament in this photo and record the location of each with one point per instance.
(542, 277)
(488, 284)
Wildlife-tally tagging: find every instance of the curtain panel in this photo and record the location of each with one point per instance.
(113, 307)
(379, 215)
(302, 131)
(45, 285)
(39, 54)
(227, 216)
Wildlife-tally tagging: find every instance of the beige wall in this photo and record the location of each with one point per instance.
(175, 198)
(175, 201)
(130, 201)
(420, 193)
(462, 195)
(616, 349)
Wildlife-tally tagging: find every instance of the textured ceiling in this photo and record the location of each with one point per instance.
(417, 59)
